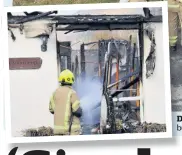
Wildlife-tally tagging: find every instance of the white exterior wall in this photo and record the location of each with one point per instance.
(31, 89)
(154, 87)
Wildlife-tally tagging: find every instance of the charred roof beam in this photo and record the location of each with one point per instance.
(94, 27)
(86, 19)
(105, 19)
(23, 19)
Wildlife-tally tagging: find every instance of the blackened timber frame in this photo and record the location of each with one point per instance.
(86, 19)
(108, 22)
(64, 51)
(94, 22)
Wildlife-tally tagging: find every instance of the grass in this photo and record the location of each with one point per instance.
(54, 2)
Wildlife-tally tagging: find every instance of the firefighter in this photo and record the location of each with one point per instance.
(174, 16)
(65, 106)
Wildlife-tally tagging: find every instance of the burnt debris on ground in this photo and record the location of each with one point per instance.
(35, 132)
(149, 128)
(139, 128)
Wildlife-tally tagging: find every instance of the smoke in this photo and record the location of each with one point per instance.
(89, 91)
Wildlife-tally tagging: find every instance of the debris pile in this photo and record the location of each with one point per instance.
(139, 128)
(149, 128)
(41, 131)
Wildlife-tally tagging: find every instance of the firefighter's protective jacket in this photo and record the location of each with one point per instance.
(174, 5)
(64, 104)
(174, 8)
(175, 16)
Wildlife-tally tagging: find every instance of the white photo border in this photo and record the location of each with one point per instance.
(167, 134)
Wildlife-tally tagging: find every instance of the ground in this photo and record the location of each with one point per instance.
(140, 128)
(53, 2)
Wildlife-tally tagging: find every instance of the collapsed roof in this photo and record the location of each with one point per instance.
(86, 22)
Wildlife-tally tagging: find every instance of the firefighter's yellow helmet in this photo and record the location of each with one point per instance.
(66, 77)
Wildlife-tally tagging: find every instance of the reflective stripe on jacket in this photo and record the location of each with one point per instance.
(63, 102)
(173, 5)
